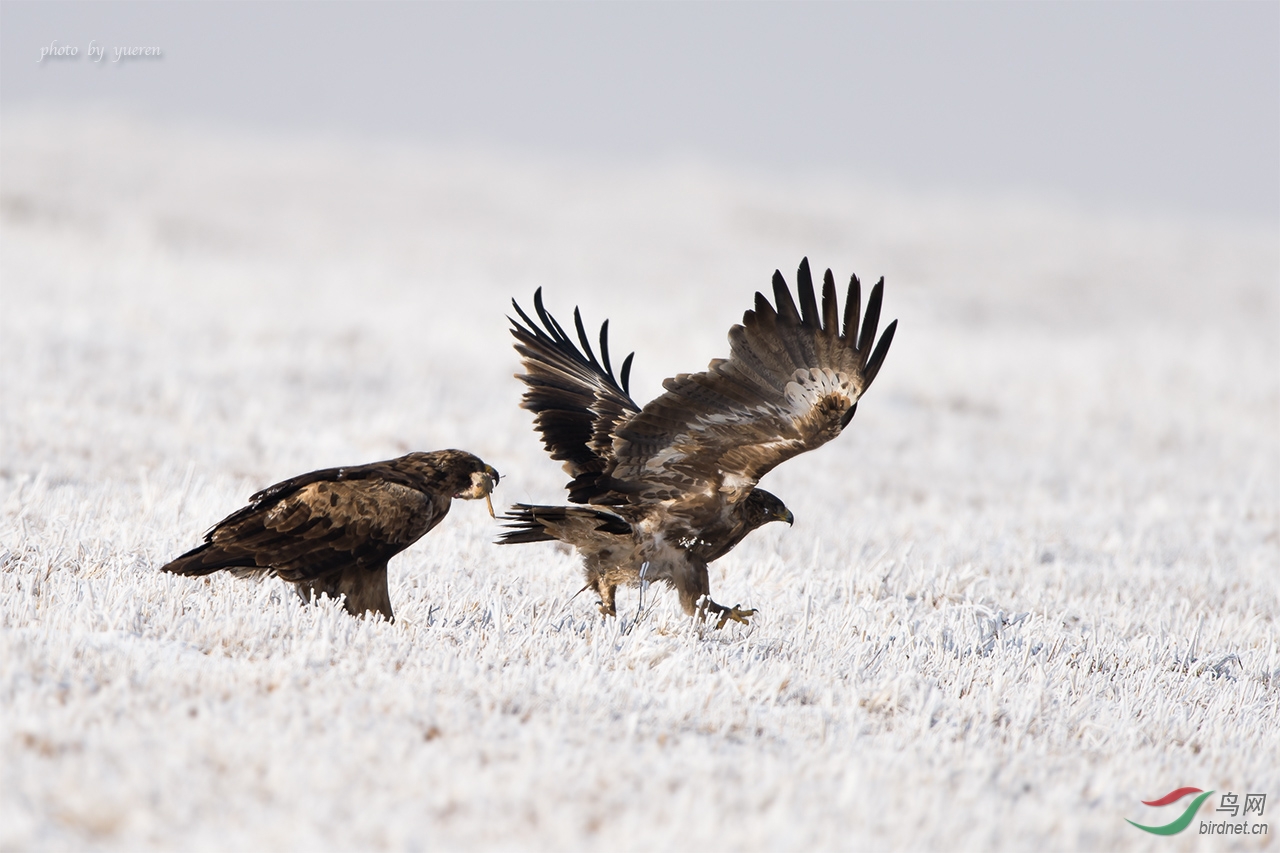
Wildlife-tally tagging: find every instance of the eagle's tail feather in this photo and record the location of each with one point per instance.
(523, 525)
(530, 523)
(207, 559)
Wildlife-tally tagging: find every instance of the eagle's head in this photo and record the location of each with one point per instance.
(761, 507)
(480, 484)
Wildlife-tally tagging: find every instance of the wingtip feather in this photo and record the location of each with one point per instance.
(763, 310)
(877, 357)
(852, 307)
(582, 337)
(626, 374)
(830, 305)
(871, 320)
(782, 296)
(604, 347)
(808, 302)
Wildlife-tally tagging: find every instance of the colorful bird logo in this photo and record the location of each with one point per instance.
(1184, 820)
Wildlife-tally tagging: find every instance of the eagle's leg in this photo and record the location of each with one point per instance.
(311, 590)
(364, 590)
(606, 589)
(608, 593)
(694, 586)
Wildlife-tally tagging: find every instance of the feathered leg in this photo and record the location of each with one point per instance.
(691, 582)
(608, 593)
(363, 590)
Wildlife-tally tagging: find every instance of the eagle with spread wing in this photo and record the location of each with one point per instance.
(663, 491)
(332, 531)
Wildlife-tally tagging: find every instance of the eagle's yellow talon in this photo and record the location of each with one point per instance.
(734, 613)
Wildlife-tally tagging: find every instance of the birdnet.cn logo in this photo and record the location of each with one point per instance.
(1232, 813)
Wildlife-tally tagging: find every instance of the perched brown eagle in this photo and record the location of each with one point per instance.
(332, 531)
(667, 489)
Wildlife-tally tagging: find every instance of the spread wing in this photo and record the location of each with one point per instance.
(576, 399)
(791, 383)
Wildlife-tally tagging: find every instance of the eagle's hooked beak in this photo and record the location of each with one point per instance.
(784, 514)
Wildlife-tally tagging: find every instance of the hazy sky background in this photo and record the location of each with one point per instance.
(1161, 107)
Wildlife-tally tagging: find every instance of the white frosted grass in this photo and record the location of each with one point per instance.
(1035, 583)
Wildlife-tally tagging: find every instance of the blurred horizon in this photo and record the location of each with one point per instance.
(1134, 108)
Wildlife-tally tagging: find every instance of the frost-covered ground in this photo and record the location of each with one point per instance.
(1035, 583)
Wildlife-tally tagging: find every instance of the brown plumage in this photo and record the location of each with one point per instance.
(612, 552)
(672, 487)
(332, 531)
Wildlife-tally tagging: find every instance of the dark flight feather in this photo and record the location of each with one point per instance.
(575, 397)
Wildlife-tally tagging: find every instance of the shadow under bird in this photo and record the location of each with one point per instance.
(663, 491)
(331, 532)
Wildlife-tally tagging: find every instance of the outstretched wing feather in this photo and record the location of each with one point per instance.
(574, 395)
(791, 379)
(870, 321)
(882, 349)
